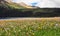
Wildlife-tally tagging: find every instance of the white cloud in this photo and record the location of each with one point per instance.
(28, 2)
(42, 3)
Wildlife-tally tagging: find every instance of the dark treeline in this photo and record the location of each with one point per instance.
(29, 13)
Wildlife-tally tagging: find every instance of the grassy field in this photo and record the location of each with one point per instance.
(36, 27)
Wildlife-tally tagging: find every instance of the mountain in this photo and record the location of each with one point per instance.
(9, 4)
(24, 5)
(21, 4)
(12, 5)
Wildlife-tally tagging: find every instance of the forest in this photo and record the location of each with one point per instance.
(15, 10)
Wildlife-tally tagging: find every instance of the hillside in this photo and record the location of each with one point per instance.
(11, 5)
(24, 7)
(18, 10)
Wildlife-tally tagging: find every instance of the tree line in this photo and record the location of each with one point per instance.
(50, 12)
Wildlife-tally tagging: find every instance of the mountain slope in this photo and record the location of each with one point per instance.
(12, 5)
(25, 5)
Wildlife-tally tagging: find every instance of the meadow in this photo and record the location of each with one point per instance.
(36, 27)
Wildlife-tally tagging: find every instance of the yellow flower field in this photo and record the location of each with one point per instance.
(36, 27)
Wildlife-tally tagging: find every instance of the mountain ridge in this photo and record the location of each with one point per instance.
(21, 4)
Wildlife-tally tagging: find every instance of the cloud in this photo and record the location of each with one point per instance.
(42, 3)
(49, 4)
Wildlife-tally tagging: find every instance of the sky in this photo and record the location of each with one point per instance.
(41, 3)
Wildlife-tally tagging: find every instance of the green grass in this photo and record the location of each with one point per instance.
(30, 28)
